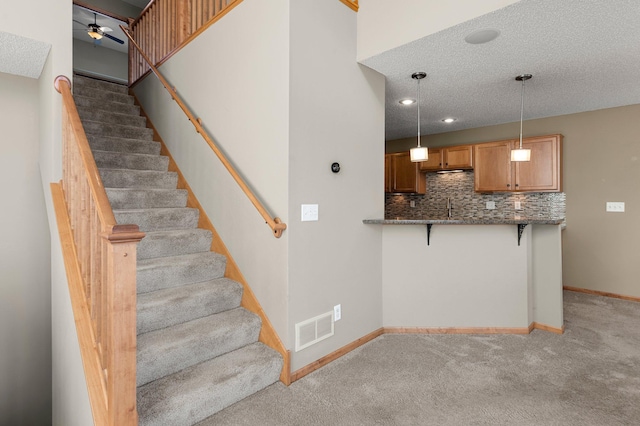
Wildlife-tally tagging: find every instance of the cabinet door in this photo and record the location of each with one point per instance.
(492, 166)
(434, 162)
(387, 173)
(406, 176)
(543, 172)
(458, 157)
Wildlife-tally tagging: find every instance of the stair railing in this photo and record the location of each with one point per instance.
(100, 260)
(276, 225)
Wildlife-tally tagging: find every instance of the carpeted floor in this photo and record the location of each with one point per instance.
(588, 376)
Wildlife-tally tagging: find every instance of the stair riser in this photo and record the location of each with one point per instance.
(82, 102)
(166, 308)
(101, 95)
(193, 342)
(159, 220)
(146, 198)
(176, 274)
(112, 117)
(111, 160)
(164, 244)
(117, 178)
(90, 83)
(117, 130)
(209, 387)
(126, 146)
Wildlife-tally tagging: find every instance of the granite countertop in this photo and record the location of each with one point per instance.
(466, 221)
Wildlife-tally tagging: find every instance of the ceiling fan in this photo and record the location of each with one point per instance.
(96, 32)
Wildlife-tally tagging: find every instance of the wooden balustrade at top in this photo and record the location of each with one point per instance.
(100, 260)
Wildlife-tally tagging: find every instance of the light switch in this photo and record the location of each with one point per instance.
(491, 205)
(309, 212)
(615, 206)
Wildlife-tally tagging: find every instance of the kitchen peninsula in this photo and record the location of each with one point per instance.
(472, 275)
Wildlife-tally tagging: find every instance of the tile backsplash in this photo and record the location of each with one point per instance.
(469, 204)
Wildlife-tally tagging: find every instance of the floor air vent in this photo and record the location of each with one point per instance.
(313, 330)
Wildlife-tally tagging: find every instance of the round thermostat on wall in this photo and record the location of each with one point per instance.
(335, 167)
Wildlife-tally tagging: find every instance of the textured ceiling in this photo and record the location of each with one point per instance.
(80, 14)
(22, 56)
(584, 55)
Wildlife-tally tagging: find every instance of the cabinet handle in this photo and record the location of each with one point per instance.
(446, 164)
(517, 185)
(508, 185)
(439, 164)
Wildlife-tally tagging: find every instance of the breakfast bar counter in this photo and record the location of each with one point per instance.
(502, 278)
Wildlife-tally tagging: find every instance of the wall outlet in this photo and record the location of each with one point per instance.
(615, 206)
(517, 205)
(337, 313)
(309, 212)
(412, 203)
(491, 205)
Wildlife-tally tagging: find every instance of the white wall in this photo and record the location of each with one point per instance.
(100, 62)
(383, 25)
(336, 114)
(70, 403)
(25, 309)
(235, 76)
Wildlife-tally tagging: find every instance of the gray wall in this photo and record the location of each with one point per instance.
(25, 293)
(337, 114)
(118, 7)
(601, 163)
(100, 62)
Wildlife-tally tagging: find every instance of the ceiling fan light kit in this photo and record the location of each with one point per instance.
(96, 32)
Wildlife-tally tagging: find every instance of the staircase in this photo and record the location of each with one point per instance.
(197, 349)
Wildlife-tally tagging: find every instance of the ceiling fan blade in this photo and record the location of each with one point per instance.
(117, 40)
(105, 29)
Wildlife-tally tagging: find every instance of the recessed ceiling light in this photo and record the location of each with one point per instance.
(449, 120)
(482, 36)
(408, 101)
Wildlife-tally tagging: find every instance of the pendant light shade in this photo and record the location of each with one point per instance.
(521, 154)
(419, 153)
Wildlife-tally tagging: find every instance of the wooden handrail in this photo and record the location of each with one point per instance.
(100, 261)
(276, 225)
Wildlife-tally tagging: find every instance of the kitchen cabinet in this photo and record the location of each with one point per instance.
(448, 158)
(402, 175)
(495, 172)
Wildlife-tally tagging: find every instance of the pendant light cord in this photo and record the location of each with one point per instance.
(521, 110)
(418, 113)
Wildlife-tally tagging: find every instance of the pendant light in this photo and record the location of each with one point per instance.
(521, 154)
(419, 153)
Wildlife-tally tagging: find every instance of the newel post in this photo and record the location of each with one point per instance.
(120, 243)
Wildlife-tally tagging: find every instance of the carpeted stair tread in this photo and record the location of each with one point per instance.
(169, 350)
(119, 160)
(127, 178)
(161, 219)
(198, 392)
(174, 271)
(171, 306)
(127, 198)
(93, 83)
(102, 95)
(117, 130)
(174, 242)
(112, 117)
(84, 102)
(131, 146)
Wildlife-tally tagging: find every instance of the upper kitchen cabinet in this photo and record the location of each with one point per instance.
(448, 158)
(495, 172)
(543, 173)
(403, 175)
